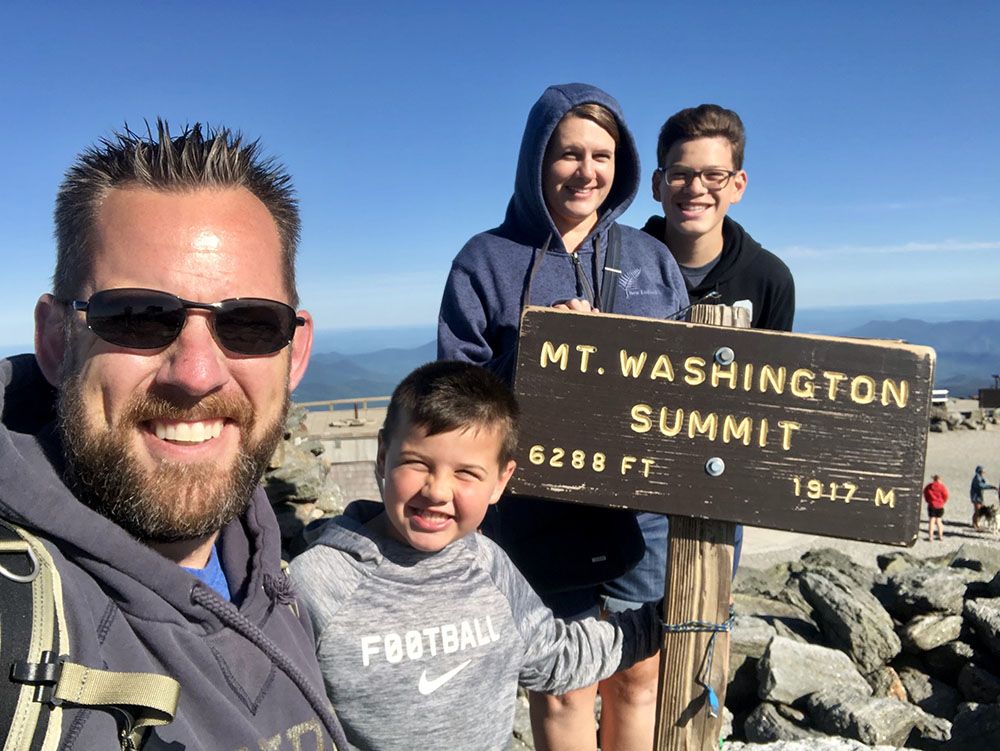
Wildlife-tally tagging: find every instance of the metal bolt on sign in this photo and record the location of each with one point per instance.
(725, 355)
(715, 466)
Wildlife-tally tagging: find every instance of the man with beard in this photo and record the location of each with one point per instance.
(132, 445)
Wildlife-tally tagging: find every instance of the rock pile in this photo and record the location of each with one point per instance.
(299, 483)
(905, 655)
(942, 420)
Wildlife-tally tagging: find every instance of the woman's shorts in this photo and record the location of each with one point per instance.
(935, 513)
(644, 583)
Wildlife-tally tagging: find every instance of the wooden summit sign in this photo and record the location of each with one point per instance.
(810, 434)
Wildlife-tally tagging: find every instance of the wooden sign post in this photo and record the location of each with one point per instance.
(694, 664)
(714, 426)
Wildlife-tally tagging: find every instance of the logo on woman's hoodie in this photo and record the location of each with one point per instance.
(630, 283)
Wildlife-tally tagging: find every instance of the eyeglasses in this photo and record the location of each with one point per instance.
(151, 319)
(713, 178)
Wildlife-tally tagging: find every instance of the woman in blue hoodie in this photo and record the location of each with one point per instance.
(559, 245)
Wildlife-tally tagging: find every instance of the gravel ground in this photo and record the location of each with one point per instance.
(954, 456)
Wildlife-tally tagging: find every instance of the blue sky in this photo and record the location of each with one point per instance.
(872, 127)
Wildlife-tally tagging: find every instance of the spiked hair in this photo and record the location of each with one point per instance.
(215, 158)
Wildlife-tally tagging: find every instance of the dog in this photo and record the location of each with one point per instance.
(987, 519)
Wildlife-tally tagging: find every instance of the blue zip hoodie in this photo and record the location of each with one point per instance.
(524, 261)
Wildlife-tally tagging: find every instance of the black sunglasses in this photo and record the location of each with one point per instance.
(151, 319)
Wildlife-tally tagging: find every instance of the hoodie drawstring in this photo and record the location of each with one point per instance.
(234, 619)
(583, 288)
(536, 263)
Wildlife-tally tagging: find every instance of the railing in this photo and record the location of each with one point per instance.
(360, 405)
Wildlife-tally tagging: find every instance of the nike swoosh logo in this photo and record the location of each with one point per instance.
(428, 686)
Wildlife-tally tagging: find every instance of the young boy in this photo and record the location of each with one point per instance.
(699, 176)
(424, 628)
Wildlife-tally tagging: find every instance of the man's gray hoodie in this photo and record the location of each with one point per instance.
(247, 671)
(425, 650)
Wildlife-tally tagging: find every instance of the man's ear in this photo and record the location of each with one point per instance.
(301, 348)
(505, 475)
(50, 337)
(657, 185)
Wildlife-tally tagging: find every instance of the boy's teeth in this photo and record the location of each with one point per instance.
(188, 432)
(434, 515)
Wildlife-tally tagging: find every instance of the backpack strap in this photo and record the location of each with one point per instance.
(612, 269)
(138, 700)
(28, 630)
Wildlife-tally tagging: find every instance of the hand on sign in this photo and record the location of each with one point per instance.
(576, 305)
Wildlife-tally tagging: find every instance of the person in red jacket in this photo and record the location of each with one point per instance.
(936, 495)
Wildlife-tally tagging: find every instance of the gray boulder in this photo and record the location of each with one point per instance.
(947, 661)
(831, 559)
(978, 684)
(790, 671)
(930, 733)
(774, 583)
(797, 629)
(816, 744)
(978, 557)
(896, 561)
(923, 590)
(769, 583)
(777, 722)
(975, 728)
(851, 618)
(984, 618)
(871, 720)
(792, 621)
(301, 478)
(726, 729)
(885, 682)
(747, 642)
(750, 635)
(926, 632)
(931, 695)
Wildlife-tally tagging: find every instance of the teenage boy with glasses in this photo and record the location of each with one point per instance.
(133, 442)
(699, 176)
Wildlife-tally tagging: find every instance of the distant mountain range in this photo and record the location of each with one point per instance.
(968, 354)
(838, 320)
(332, 375)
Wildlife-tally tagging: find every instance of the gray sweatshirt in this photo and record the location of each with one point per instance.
(425, 650)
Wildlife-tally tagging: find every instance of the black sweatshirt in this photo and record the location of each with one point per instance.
(745, 271)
